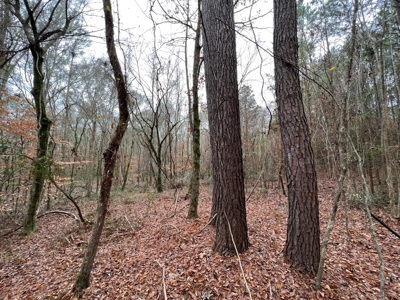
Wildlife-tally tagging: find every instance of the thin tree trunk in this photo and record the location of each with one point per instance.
(385, 131)
(93, 157)
(195, 179)
(159, 184)
(396, 4)
(343, 156)
(396, 210)
(368, 199)
(110, 156)
(187, 69)
(126, 168)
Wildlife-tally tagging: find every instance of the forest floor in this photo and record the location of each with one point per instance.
(149, 250)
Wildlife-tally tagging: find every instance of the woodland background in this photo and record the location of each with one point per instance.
(155, 157)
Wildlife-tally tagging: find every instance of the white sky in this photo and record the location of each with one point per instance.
(136, 30)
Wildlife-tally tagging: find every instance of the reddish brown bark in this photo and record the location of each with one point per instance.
(223, 113)
(302, 249)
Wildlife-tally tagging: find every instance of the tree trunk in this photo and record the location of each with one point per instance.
(110, 156)
(223, 114)
(385, 125)
(302, 249)
(159, 184)
(93, 157)
(41, 163)
(195, 179)
(127, 167)
(5, 20)
(343, 151)
(396, 4)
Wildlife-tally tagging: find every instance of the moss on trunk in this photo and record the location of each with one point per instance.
(41, 162)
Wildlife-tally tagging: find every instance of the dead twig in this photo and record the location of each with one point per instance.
(208, 223)
(237, 254)
(42, 215)
(163, 280)
(255, 185)
(67, 213)
(367, 199)
(133, 228)
(172, 225)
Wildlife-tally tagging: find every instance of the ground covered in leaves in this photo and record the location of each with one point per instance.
(149, 250)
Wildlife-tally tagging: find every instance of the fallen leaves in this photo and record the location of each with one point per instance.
(145, 254)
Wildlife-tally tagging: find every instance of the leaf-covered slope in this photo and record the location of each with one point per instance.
(144, 251)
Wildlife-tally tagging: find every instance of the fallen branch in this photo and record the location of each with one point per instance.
(67, 213)
(163, 280)
(11, 231)
(172, 225)
(237, 254)
(175, 204)
(129, 223)
(118, 235)
(42, 215)
(328, 231)
(384, 225)
(208, 223)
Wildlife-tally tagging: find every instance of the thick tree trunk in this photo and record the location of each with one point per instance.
(302, 249)
(195, 179)
(41, 162)
(223, 114)
(110, 157)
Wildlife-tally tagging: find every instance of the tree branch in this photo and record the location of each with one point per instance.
(384, 225)
(70, 199)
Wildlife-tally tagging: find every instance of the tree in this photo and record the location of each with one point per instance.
(396, 4)
(110, 155)
(5, 19)
(342, 144)
(41, 31)
(155, 122)
(195, 179)
(250, 117)
(302, 249)
(228, 208)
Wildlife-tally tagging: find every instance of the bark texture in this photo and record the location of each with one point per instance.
(5, 23)
(195, 179)
(41, 162)
(302, 249)
(39, 38)
(110, 156)
(223, 114)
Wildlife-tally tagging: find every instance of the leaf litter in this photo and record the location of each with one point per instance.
(147, 251)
